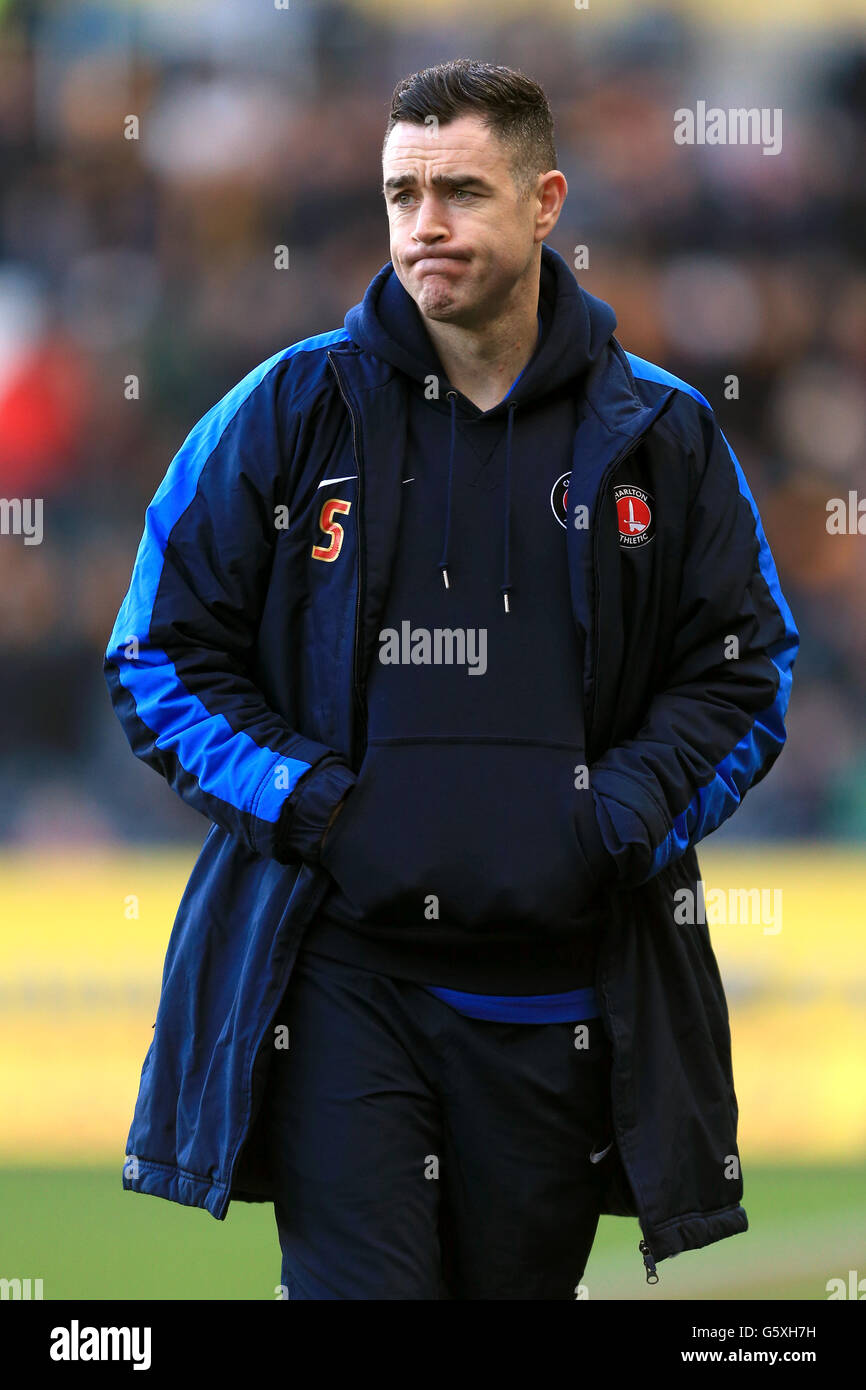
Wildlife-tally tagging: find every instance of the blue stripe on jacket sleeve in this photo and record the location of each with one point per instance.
(227, 764)
(735, 774)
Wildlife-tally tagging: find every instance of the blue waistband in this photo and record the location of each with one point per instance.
(573, 1005)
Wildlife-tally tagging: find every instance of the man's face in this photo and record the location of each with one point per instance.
(458, 247)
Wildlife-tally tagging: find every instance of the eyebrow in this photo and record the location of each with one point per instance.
(410, 178)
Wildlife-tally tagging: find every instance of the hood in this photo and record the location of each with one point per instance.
(574, 330)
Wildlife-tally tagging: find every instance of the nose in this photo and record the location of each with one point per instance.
(429, 223)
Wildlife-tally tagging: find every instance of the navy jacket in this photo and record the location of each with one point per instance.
(237, 666)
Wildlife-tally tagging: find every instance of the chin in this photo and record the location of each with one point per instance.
(438, 305)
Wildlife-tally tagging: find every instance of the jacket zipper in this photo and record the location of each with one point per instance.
(358, 694)
(652, 1276)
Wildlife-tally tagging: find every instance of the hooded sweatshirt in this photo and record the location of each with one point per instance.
(454, 858)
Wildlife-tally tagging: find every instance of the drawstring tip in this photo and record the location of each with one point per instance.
(445, 576)
(505, 600)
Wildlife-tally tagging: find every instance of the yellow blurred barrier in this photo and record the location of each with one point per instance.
(81, 961)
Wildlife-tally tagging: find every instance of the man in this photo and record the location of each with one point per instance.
(461, 626)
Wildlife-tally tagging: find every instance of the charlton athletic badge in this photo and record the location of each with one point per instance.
(559, 498)
(634, 516)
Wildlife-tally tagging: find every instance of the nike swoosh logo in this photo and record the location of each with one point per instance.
(348, 478)
(597, 1157)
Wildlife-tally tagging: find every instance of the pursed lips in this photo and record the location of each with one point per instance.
(433, 262)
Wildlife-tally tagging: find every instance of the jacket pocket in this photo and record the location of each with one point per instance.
(480, 834)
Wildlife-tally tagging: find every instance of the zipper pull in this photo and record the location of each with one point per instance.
(649, 1262)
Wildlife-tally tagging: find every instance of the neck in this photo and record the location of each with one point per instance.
(482, 360)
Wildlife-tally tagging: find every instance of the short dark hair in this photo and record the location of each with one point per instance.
(509, 102)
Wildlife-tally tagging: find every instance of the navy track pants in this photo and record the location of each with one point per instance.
(419, 1154)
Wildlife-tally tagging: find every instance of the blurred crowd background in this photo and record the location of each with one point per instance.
(258, 126)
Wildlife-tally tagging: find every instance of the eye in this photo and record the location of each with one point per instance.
(460, 193)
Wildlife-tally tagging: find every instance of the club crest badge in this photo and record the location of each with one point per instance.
(634, 516)
(559, 498)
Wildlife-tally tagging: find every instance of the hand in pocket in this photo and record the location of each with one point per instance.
(335, 815)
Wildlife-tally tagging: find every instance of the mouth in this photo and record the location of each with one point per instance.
(434, 263)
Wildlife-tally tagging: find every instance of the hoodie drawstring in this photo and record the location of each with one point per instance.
(506, 582)
(452, 396)
(505, 586)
